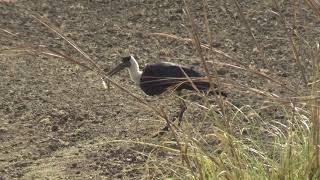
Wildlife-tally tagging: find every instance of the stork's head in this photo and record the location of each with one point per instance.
(126, 62)
(131, 64)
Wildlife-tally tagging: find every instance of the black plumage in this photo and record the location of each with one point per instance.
(157, 78)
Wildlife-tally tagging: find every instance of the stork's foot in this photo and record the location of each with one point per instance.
(183, 108)
(162, 131)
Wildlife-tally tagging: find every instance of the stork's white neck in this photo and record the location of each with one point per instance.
(135, 73)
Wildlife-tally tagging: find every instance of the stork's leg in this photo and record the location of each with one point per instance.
(183, 108)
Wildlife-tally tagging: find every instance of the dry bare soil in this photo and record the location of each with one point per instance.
(57, 121)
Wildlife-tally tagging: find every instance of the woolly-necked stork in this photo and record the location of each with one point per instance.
(157, 78)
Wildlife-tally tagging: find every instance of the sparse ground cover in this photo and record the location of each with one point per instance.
(57, 121)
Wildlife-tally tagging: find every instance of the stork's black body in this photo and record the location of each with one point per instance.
(157, 78)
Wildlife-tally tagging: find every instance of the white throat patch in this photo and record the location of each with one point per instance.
(135, 73)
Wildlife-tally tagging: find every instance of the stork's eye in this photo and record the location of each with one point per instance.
(126, 59)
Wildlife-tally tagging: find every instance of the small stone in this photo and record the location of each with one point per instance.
(54, 128)
(74, 165)
(3, 130)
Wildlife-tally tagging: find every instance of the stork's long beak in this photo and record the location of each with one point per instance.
(117, 69)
